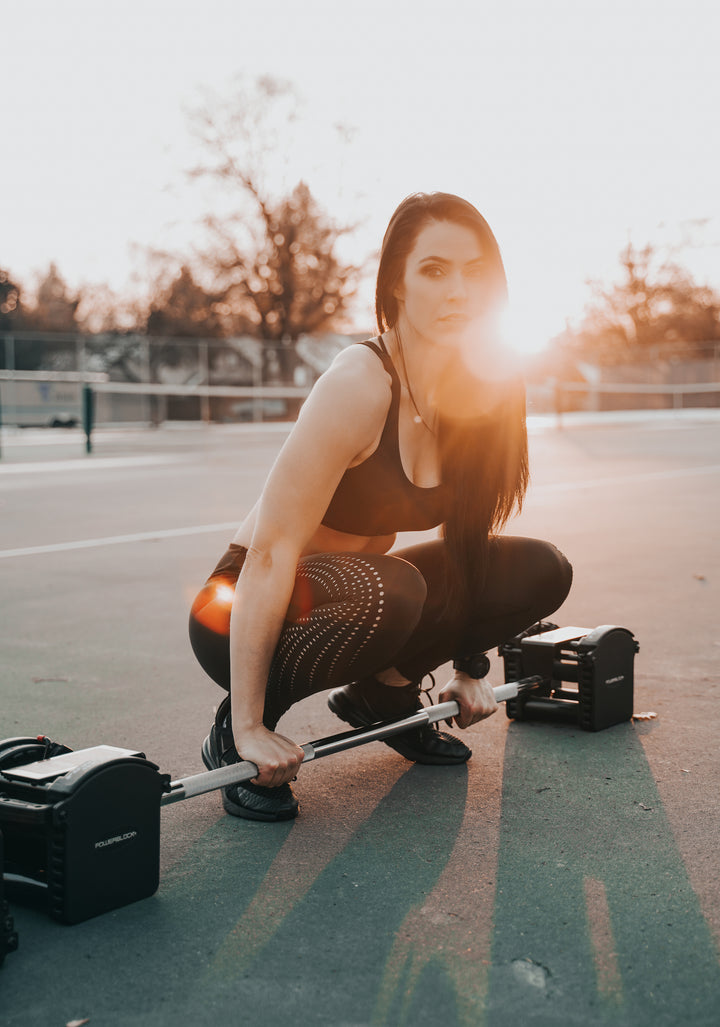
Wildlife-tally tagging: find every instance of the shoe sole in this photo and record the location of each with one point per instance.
(236, 809)
(348, 713)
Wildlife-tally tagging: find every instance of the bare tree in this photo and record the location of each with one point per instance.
(103, 310)
(273, 256)
(656, 302)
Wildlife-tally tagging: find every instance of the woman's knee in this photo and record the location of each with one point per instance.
(394, 600)
(536, 570)
(554, 576)
(209, 630)
(404, 588)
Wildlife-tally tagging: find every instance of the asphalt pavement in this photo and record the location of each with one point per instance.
(561, 877)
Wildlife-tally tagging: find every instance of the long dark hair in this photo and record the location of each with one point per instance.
(483, 456)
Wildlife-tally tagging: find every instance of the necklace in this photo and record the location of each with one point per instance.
(418, 418)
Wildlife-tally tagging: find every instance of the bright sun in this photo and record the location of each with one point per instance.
(521, 332)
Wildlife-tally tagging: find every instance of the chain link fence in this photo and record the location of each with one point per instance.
(143, 379)
(139, 379)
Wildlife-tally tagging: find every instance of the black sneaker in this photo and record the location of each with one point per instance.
(247, 800)
(424, 744)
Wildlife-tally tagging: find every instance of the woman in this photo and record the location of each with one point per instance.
(422, 426)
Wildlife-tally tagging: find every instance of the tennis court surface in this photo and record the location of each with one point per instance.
(562, 877)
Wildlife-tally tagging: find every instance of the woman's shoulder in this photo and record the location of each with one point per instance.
(360, 369)
(353, 395)
(362, 354)
(345, 411)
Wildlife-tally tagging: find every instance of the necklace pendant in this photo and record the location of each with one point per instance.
(417, 419)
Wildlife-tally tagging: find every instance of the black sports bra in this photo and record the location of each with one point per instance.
(376, 497)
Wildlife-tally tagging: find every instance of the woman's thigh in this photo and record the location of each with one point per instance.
(526, 580)
(520, 573)
(348, 615)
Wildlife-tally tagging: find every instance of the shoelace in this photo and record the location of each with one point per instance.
(427, 691)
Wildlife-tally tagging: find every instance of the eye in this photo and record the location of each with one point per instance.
(433, 270)
(475, 271)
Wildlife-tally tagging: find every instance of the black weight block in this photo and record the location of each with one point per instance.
(84, 840)
(8, 935)
(588, 676)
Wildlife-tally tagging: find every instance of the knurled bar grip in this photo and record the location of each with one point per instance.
(236, 773)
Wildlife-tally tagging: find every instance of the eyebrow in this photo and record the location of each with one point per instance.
(444, 260)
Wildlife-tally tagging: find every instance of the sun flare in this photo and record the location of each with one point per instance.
(521, 333)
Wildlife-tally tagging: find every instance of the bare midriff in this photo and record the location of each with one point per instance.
(325, 540)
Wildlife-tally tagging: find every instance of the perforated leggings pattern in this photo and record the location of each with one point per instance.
(352, 615)
(339, 625)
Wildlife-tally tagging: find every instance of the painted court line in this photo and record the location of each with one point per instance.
(114, 540)
(200, 529)
(88, 464)
(609, 981)
(624, 479)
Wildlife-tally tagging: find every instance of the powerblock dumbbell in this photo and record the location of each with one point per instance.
(586, 676)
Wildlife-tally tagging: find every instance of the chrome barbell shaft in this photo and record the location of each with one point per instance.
(236, 773)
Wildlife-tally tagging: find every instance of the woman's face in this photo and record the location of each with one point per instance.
(446, 286)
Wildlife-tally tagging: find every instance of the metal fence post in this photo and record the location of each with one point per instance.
(558, 396)
(204, 363)
(10, 365)
(88, 415)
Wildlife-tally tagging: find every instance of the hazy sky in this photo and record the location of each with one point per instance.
(572, 124)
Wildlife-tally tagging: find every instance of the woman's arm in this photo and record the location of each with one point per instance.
(341, 418)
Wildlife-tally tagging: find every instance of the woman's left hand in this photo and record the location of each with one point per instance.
(475, 697)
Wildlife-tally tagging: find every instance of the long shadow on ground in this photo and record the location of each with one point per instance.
(193, 954)
(595, 918)
(595, 921)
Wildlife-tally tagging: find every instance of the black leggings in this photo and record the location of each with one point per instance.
(352, 615)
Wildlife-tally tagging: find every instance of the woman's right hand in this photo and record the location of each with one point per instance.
(276, 757)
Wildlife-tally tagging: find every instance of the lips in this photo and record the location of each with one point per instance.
(458, 319)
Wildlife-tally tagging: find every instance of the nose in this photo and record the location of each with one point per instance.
(457, 286)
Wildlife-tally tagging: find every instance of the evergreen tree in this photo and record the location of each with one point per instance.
(55, 308)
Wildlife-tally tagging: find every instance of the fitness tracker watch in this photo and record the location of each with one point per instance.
(475, 666)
